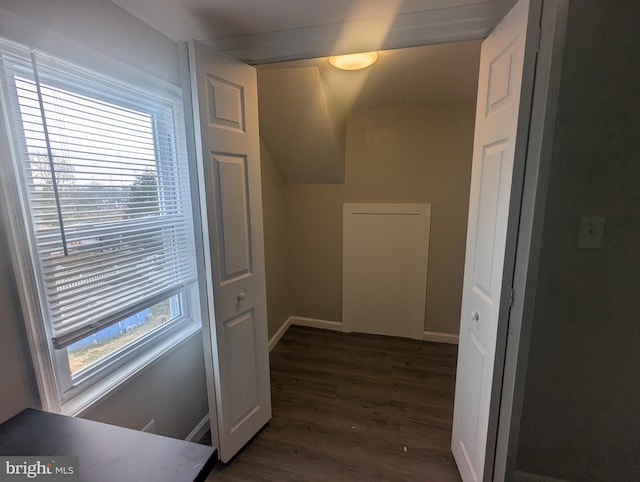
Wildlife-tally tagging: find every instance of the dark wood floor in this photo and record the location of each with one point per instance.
(352, 407)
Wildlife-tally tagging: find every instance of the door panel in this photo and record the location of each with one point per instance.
(230, 177)
(473, 431)
(489, 200)
(224, 93)
(499, 127)
(226, 103)
(500, 89)
(240, 333)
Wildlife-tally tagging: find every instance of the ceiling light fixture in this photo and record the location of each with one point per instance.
(353, 61)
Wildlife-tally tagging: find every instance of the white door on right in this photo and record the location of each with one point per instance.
(500, 100)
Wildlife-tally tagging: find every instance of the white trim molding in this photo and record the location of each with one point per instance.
(433, 336)
(302, 321)
(519, 476)
(17, 238)
(440, 337)
(273, 341)
(315, 323)
(199, 430)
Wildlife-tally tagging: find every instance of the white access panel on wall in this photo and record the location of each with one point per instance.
(385, 259)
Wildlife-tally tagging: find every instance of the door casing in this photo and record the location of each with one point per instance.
(534, 193)
(545, 76)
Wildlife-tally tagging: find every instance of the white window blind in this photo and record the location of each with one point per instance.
(106, 186)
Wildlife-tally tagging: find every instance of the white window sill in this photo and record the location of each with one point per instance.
(83, 402)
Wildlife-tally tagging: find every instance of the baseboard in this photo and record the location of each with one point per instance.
(273, 341)
(315, 323)
(302, 321)
(439, 337)
(337, 326)
(519, 476)
(199, 430)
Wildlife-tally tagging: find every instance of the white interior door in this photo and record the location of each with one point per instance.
(385, 258)
(500, 132)
(224, 94)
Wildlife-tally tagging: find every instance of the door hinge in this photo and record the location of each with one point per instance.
(539, 39)
(511, 293)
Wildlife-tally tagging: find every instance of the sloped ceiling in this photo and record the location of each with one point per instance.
(297, 125)
(431, 74)
(304, 105)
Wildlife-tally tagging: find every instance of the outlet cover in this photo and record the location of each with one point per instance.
(591, 232)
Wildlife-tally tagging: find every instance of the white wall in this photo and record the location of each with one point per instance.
(98, 35)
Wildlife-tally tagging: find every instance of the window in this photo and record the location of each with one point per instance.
(104, 193)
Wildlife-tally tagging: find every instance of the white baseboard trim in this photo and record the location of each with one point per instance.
(337, 326)
(302, 321)
(519, 476)
(273, 341)
(439, 337)
(199, 430)
(315, 323)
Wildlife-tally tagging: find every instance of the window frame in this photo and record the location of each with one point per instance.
(60, 390)
(71, 386)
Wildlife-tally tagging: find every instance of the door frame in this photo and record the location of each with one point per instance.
(203, 254)
(532, 9)
(524, 257)
(546, 89)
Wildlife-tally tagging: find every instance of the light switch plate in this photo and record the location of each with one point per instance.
(591, 232)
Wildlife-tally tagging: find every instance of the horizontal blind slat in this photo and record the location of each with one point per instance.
(122, 189)
(117, 295)
(78, 330)
(67, 284)
(69, 281)
(50, 239)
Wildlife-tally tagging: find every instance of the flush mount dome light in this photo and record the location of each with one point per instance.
(353, 61)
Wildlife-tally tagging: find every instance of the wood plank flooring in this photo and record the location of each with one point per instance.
(353, 407)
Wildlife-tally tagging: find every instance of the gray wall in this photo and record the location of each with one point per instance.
(581, 416)
(99, 35)
(18, 388)
(171, 392)
(393, 155)
(96, 34)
